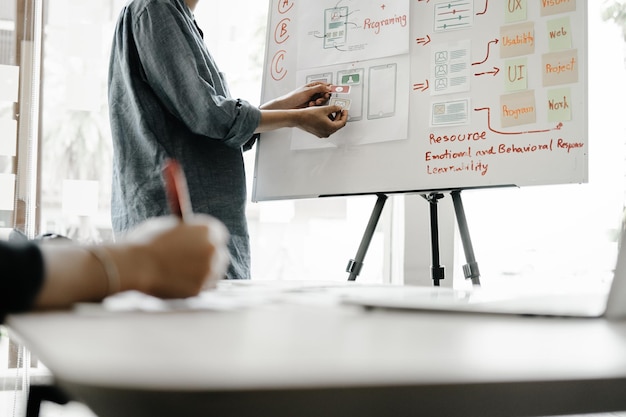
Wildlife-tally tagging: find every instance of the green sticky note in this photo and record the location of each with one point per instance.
(515, 11)
(516, 74)
(559, 105)
(351, 79)
(559, 34)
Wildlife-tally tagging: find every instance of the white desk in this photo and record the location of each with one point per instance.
(316, 357)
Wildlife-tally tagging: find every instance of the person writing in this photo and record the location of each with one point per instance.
(164, 257)
(168, 99)
(173, 256)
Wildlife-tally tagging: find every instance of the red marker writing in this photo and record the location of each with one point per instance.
(176, 189)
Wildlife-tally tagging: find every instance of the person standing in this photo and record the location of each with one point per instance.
(168, 99)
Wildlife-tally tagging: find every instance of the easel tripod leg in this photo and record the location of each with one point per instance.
(355, 265)
(470, 269)
(437, 271)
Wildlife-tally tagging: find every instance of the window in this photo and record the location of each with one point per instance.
(55, 159)
(66, 188)
(301, 239)
(288, 238)
(76, 141)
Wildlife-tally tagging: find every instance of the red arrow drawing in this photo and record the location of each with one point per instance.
(488, 109)
(421, 86)
(488, 52)
(423, 41)
(485, 10)
(495, 72)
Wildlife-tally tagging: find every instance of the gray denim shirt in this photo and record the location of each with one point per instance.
(168, 99)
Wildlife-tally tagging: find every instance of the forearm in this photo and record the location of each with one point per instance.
(73, 273)
(321, 121)
(312, 94)
(277, 119)
(275, 104)
(163, 257)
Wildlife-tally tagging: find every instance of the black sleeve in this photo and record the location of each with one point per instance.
(250, 143)
(21, 276)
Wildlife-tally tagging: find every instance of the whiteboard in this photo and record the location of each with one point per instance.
(442, 95)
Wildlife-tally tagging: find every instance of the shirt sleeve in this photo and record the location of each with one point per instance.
(182, 73)
(21, 277)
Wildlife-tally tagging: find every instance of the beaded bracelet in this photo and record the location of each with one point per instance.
(109, 267)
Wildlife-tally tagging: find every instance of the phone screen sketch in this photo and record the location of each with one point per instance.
(354, 79)
(382, 91)
(335, 33)
(326, 77)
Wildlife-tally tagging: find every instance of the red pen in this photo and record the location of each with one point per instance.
(176, 189)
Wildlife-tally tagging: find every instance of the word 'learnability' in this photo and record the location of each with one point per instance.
(472, 166)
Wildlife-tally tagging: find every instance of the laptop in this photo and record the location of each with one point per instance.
(562, 303)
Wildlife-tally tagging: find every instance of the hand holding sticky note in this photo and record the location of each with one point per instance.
(340, 89)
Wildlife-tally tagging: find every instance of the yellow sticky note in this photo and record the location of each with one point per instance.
(560, 67)
(552, 7)
(518, 109)
(517, 40)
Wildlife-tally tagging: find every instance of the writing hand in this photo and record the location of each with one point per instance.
(176, 189)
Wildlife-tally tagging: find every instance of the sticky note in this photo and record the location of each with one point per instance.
(560, 68)
(552, 7)
(516, 11)
(559, 34)
(516, 74)
(517, 40)
(518, 109)
(559, 105)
